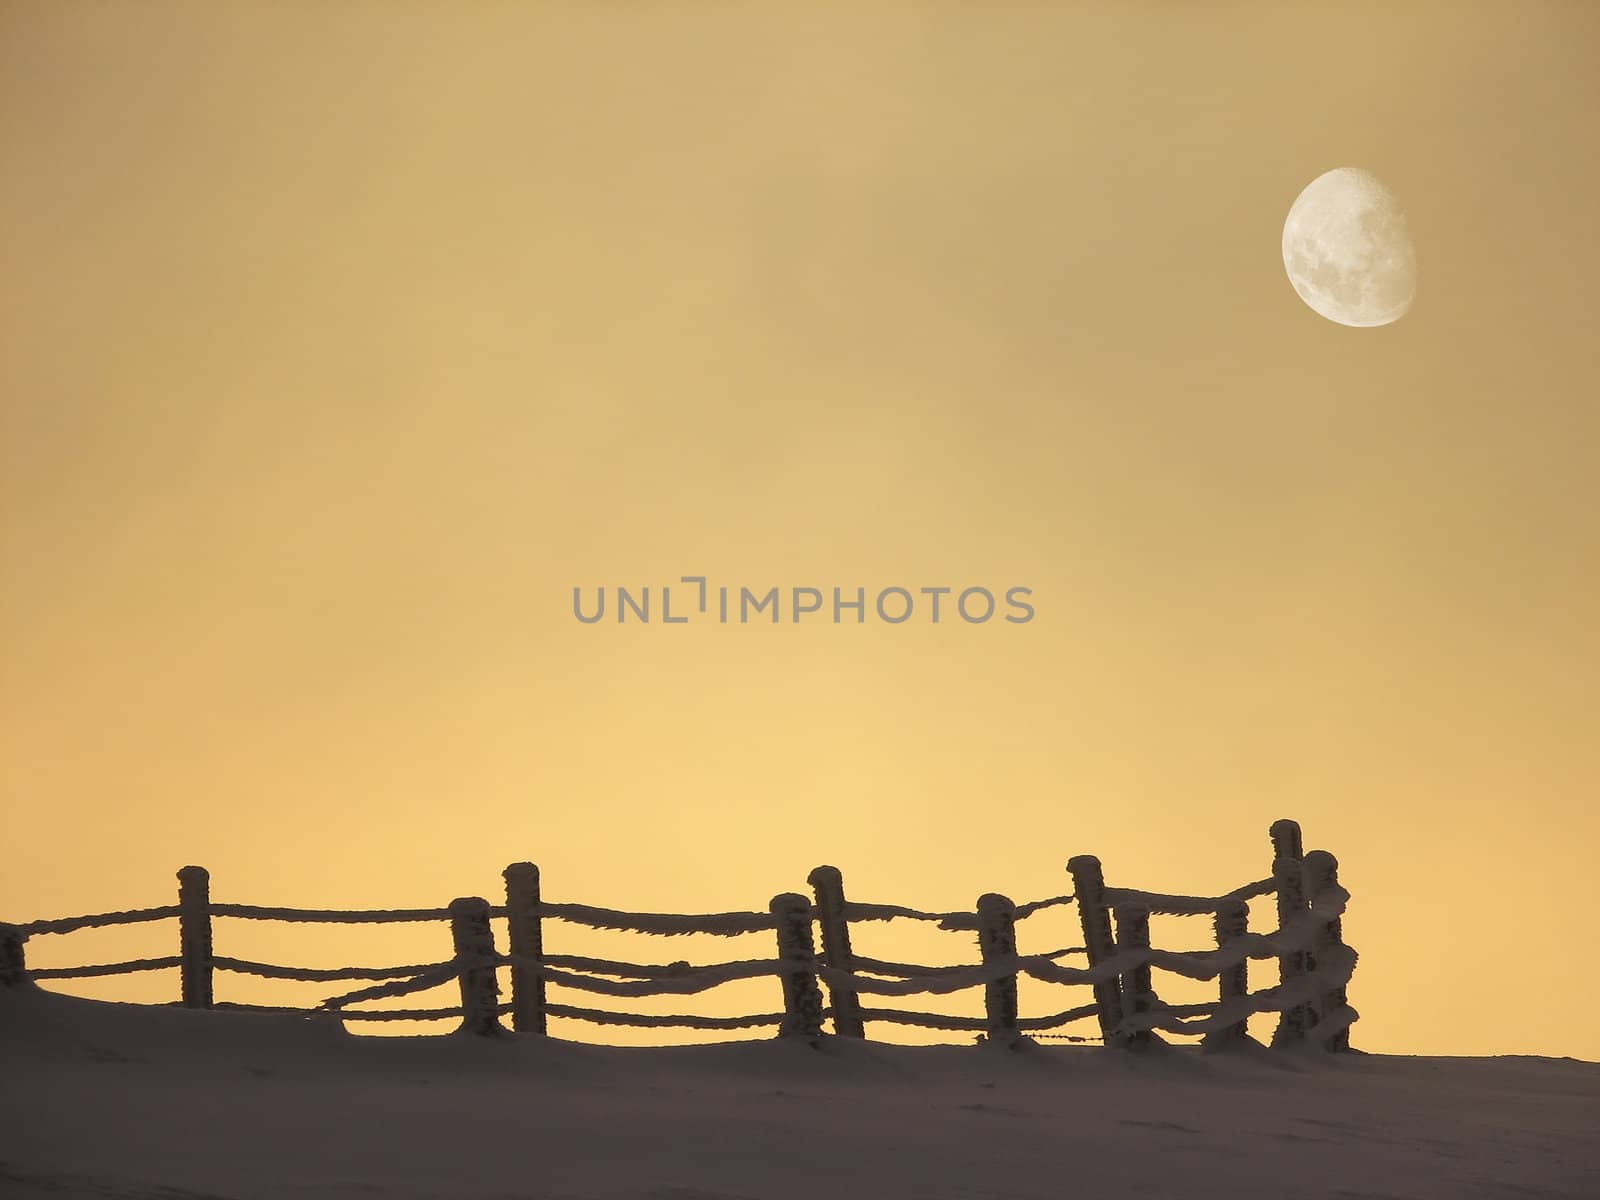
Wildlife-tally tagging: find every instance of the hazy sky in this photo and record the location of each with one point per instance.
(339, 342)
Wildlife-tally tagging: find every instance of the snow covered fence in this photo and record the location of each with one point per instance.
(194, 935)
(1314, 965)
(474, 963)
(13, 968)
(1313, 962)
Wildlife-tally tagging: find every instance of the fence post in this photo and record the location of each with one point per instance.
(194, 935)
(1088, 884)
(474, 944)
(997, 939)
(1322, 874)
(828, 884)
(1133, 933)
(527, 941)
(13, 965)
(1232, 922)
(802, 997)
(1286, 876)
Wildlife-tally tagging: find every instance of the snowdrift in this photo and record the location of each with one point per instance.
(124, 1101)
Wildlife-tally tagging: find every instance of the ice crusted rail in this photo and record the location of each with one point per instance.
(811, 940)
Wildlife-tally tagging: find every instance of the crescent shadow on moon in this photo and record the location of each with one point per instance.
(1347, 250)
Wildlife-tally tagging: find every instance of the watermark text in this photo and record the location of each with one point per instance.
(693, 598)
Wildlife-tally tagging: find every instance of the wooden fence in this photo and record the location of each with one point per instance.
(1313, 963)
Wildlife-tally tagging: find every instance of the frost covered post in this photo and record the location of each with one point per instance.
(194, 935)
(828, 884)
(802, 996)
(997, 941)
(1287, 878)
(1089, 885)
(1133, 936)
(13, 966)
(1330, 955)
(474, 945)
(1231, 923)
(527, 941)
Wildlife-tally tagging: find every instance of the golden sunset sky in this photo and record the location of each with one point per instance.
(340, 341)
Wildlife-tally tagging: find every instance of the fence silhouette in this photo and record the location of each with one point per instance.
(1314, 964)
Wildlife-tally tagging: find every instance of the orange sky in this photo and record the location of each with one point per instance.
(340, 341)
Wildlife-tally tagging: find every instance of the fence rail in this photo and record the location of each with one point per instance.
(1313, 963)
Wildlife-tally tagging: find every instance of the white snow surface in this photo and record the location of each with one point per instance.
(124, 1101)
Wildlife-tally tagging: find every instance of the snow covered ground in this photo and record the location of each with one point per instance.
(108, 1100)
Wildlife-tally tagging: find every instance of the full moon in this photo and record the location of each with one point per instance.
(1347, 249)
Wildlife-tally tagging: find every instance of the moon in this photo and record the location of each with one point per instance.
(1348, 251)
